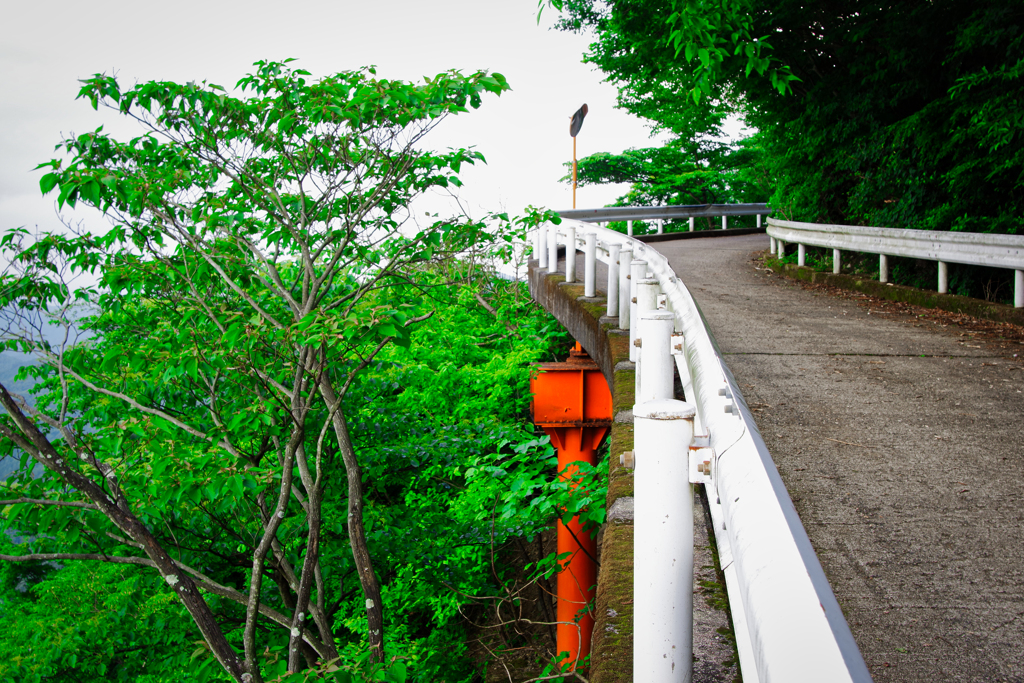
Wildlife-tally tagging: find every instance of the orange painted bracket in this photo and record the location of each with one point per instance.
(572, 403)
(571, 394)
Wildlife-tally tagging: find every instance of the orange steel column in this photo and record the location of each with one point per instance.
(573, 405)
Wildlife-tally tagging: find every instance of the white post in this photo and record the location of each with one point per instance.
(590, 265)
(570, 254)
(943, 277)
(771, 244)
(646, 301)
(661, 226)
(692, 220)
(542, 245)
(647, 291)
(637, 272)
(654, 365)
(553, 250)
(1018, 289)
(725, 222)
(536, 241)
(613, 280)
(629, 228)
(883, 268)
(662, 543)
(801, 255)
(836, 261)
(782, 248)
(625, 258)
(758, 220)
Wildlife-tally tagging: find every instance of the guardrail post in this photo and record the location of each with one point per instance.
(661, 226)
(663, 543)
(553, 250)
(570, 254)
(613, 280)
(692, 220)
(625, 258)
(542, 245)
(1018, 289)
(801, 255)
(629, 228)
(883, 268)
(725, 222)
(782, 248)
(647, 291)
(943, 277)
(637, 272)
(590, 265)
(655, 375)
(771, 244)
(759, 221)
(836, 261)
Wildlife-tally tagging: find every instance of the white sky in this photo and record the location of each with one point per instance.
(47, 47)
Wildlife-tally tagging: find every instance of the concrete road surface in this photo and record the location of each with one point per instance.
(901, 447)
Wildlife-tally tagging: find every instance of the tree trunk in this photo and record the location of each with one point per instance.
(356, 530)
(45, 454)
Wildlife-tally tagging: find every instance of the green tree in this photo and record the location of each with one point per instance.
(906, 115)
(257, 263)
(455, 478)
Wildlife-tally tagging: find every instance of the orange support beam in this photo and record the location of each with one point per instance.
(573, 405)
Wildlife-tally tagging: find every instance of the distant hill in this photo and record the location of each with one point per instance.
(10, 363)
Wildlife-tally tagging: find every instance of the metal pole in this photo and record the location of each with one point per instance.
(782, 248)
(570, 254)
(837, 261)
(725, 222)
(637, 272)
(590, 265)
(801, 255)
(625, 257)
(574, 171)
(883, 268)
(943, 277)
(661, 227)
(542, 245)
(1018, 289)
(654, 367)
(613, 280)
(758, 220)
(692, 221)
(663, 543)
(771, 244)
(629, 228)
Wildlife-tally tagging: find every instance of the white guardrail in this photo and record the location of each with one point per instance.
(976, 249)
(788, 625)
(660, 214)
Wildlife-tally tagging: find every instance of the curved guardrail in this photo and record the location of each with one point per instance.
(977, 249)
(664, 213)
(789, 626)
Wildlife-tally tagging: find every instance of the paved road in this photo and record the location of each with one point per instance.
(901, 448)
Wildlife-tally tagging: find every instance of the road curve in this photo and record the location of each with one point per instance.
(901, 448)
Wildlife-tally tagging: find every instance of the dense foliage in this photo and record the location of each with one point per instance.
(230, 405)
(454, 473)
(905, 115)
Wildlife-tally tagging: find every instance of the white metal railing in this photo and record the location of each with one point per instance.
(788, 624)
(664, 213)
(977, 249)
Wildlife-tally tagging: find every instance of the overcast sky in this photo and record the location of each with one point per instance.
(47, 47)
